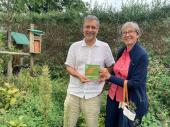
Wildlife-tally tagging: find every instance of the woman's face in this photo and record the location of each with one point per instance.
(129, 36)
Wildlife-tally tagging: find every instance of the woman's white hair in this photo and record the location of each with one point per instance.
(133, 25)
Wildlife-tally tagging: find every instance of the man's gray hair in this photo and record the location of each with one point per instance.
(92, 17)
(133, 25)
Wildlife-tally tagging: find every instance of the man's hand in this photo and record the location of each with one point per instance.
(83, 79)
(74, 73)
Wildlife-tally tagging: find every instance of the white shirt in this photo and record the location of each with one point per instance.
(79, 55)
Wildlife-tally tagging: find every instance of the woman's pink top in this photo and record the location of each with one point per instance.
(120, 69)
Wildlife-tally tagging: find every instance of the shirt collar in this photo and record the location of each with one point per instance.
(97, 43)
(127, 50)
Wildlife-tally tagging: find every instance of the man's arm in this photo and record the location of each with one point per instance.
(74, 73)
(109, 60)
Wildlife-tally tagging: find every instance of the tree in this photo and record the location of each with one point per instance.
(12, 5)
(40, 6)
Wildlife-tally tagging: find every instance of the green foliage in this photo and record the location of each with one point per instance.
(59, 87)
(10, 96)
(2, 37)
(166, 57)
(158, 91)
(1, 66)
(40, 6)
(45, 91)
(133, 11)
(12, 5)
(17, 122)
(3, 58)
(43, 103)
(26, 82)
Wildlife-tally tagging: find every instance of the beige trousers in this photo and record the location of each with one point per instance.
(73, 105)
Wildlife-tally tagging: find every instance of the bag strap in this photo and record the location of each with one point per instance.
(125, 92)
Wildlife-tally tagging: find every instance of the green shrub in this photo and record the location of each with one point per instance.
(158, 92)
(45, 92)
(10, 96)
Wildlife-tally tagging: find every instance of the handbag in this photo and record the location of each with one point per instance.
(127, 115)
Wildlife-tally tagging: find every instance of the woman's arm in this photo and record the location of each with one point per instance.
(138, 77)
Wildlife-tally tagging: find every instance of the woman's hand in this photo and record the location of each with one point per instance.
(104, 74)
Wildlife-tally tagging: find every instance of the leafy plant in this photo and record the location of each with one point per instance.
(45, 92)
(10, 96)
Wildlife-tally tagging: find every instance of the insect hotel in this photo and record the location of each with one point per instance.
(19, 41)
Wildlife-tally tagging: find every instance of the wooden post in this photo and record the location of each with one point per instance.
(22, 60)
(9, 71)
(9, 38)
(32, 60)
(31, 38)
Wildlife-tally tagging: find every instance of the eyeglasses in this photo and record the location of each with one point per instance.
(127, 32)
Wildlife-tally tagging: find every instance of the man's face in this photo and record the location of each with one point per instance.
(90, 30)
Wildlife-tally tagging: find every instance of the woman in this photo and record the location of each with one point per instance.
(131, 66)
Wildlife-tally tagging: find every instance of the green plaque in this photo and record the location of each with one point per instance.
(92, 71)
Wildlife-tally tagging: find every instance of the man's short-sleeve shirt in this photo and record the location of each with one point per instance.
(79, 55)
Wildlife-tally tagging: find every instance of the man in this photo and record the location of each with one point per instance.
(84, 94)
